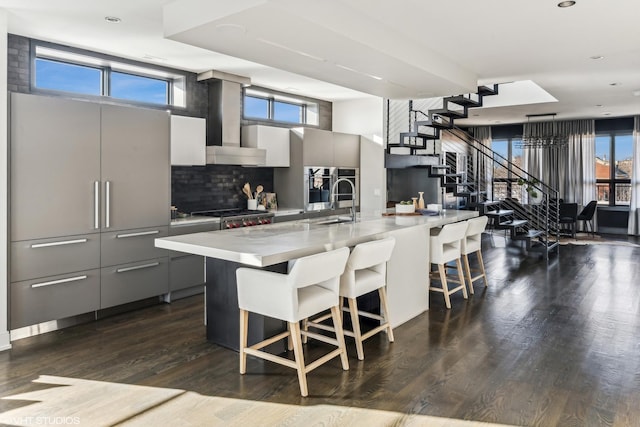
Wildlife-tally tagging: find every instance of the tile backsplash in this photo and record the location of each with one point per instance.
(196, 188)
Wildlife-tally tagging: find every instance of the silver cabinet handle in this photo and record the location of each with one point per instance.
(107, 204)
(57, 282)
(142, 233)
(96, 205)
(137, 267)
(66, 242)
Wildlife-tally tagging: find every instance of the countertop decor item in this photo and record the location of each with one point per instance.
(421, 200)
(404, 208)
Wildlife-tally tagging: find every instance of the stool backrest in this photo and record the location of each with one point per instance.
(452, 232)
(476, 225)
(369, 254)
(319, 268)
(472, 241)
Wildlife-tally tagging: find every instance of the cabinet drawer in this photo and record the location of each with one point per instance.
(48, 257)
(188, 229)
(185, 272)
(125, 283)
(54, 297)
(120, 247)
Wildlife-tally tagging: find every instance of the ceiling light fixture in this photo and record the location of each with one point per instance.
(566, 3)
(614, 84)
(297, 52)
(112, 19)
(596, 57)
(599, 105)
(606, 113)
(542, 135)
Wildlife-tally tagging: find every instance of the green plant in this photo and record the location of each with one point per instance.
(530, 186)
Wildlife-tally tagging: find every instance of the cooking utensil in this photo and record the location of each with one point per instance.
(259, 189)
(246, 189)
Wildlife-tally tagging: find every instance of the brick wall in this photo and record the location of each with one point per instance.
(196, 188)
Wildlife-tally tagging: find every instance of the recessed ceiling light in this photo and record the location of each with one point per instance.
(475, 115)
(231, 29)
(112, 19)
(606, 113)
(636, 92)
(596, 57)
(599, 105)
(566, 3)
(614, 84)
(496, 121)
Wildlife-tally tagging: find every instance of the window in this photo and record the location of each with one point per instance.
(614, 161)
(66, 70)
(508, 157)
(266, 106)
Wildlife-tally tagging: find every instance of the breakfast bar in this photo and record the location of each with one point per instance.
(272, 246)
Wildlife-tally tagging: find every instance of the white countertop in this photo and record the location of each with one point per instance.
(266, 245)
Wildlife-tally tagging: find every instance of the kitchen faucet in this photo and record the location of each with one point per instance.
(334, 195)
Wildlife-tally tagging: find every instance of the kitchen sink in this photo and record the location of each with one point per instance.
(333, 221)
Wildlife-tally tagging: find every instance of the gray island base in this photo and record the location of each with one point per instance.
(272, 246)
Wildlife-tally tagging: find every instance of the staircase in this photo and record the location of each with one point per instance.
(461, 163)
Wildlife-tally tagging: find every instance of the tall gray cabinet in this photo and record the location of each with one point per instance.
(89, 191)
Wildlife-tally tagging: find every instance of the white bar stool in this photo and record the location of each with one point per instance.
(471, 243)
(366, 271)
(310, 287)
(444, 247)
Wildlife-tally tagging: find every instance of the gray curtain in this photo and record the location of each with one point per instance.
(634, 206)
(570, 168)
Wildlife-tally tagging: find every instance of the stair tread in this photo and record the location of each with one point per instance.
(529, 234)
(449, 113)
(489, 203)
(469, 193)
(514, 223)
(464, 101)
(486, 90)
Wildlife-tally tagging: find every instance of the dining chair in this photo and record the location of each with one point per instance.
(587, 214)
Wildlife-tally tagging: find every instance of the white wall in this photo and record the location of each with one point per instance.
(365, 117)
(4, 200)
(360, 117)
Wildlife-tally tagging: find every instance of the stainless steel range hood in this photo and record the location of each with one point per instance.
(223, 126)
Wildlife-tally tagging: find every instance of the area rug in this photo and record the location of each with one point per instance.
(587, 239)
(82, 402)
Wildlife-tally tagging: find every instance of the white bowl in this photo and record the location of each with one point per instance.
(405, 208)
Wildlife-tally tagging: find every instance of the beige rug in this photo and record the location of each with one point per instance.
(95, 403)
(588, 239)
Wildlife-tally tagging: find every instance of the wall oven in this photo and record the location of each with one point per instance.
(318, 182)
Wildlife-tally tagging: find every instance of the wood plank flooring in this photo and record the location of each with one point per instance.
(549, 344)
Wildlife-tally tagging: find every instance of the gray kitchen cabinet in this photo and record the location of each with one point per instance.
(118, 247)
(346, 150)
(185, 272)
(135, 167)
(55, 297)
(317, 147)
(124, 283)
(31, 259)
(89, 191)
(55, 167)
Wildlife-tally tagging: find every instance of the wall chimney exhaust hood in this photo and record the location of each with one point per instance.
(223, 126)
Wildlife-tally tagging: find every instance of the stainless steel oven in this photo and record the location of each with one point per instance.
(319, 181)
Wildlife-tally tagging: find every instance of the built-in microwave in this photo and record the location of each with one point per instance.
(318, 184)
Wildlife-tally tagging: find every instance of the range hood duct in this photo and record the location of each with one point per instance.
(223, 126)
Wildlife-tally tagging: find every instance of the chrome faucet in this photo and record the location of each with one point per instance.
(334, 195)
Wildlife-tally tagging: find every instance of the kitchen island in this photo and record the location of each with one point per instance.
(272, 246)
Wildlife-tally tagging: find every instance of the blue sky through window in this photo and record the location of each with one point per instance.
(139, 88)
(285, 112)
(68, 77)
(256, 107)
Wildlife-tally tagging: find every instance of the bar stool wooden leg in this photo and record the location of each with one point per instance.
(484, 273)
(355, 323)
(244, 323)
(305, 327)
(337, 323)
(385, 312)
(445, 288)
(294, 329)
(467, 271)
(461, 277)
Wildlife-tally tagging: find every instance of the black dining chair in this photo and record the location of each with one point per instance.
(568, 216)
(586, 215)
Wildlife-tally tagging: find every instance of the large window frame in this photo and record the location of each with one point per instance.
(513, 189)
(308, 110)
(613, 183)
(175, 95)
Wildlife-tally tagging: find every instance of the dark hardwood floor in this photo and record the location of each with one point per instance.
(552, 343)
